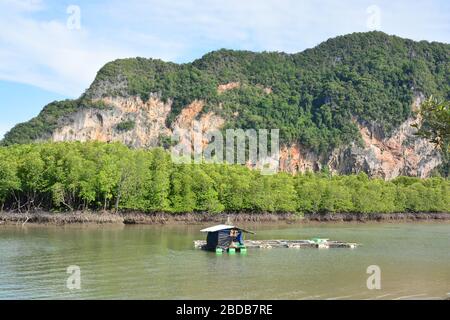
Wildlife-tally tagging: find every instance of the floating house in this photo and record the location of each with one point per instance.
(228, 238)
(224, 237)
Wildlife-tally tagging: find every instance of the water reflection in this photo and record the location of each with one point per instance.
(159, 262)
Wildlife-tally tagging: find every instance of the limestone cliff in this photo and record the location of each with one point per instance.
(402, 153)
(148, 119)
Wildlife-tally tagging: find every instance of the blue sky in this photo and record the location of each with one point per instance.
(52, 49)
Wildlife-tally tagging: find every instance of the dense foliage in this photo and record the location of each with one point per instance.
(93, 175)
(313, 97)
(435, 124)
(126, 125)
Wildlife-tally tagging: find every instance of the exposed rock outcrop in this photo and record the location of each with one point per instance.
(191, 126)
(148, 119)
(402, 153)
(295, 159)
(228, 86)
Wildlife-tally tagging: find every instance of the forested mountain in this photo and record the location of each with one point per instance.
(346, 104)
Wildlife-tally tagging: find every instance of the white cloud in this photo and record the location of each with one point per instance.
(37, 49)
(281, 25)
(49, 55)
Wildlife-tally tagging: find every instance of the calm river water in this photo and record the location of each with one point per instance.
(159, 262)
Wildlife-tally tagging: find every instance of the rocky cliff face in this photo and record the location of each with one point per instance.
(147, 118)
(402, 153)
(147, 122)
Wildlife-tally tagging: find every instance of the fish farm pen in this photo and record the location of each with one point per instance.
(228, 238)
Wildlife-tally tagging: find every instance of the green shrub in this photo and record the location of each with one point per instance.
(126, 125)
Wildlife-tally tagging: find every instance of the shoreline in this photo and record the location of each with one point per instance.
(98, 218)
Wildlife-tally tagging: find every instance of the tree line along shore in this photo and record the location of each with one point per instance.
(62, 178)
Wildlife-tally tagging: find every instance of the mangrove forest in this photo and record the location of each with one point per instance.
(110, 176)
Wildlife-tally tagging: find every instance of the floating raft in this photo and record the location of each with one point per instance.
(298, 244)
